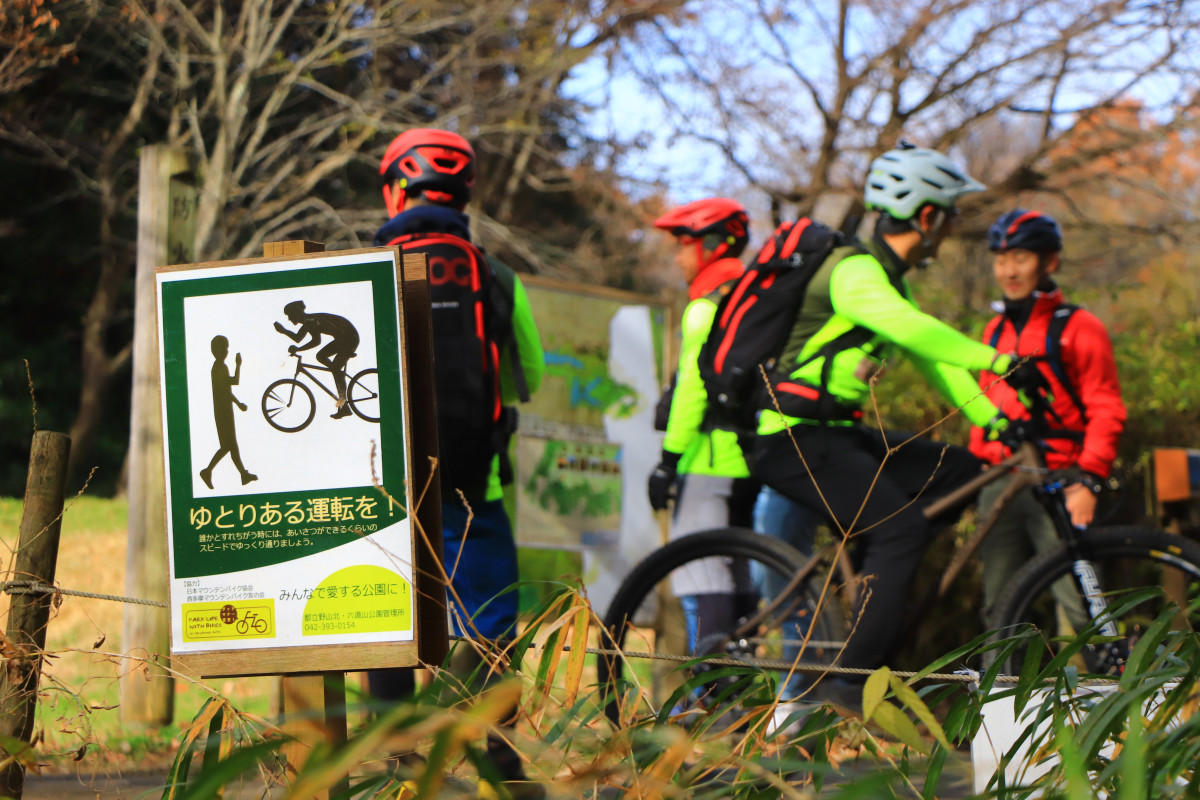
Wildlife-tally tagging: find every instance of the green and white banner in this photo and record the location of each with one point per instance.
(283, 403)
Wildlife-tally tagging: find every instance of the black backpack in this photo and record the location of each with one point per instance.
(472, 324)
(753, 323)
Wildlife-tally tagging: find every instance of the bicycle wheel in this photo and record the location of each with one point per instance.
(363, 394)
(647, 621)
(1047, 593)
(288, 405)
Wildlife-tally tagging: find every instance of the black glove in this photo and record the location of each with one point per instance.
(1024, 376)
(1011, 433)
(662, 480)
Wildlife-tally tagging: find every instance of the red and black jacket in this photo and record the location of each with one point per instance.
(1085, 354)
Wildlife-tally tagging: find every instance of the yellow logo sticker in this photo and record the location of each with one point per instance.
(235, 619)
(360, 599)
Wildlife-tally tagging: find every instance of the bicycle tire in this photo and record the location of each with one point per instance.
(364, 402)
(627, 629)
(1124, 558)
(275, 404)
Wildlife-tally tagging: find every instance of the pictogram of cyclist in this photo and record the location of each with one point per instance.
(334, 355)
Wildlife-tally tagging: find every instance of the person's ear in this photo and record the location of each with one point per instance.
(926, 218)
(1051, 263)
(394, 198)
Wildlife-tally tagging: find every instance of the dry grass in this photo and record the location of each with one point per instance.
(80, 694)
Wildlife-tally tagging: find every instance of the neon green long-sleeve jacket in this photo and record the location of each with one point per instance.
(714, 452)
(529, 348)
(867, 290)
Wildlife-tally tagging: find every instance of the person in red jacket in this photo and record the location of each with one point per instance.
(1082, 375)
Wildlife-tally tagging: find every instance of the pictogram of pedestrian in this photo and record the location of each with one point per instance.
(335, 355)
(223, 403)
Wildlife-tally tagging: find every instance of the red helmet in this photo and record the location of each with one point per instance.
(436, 164)
(719, 218)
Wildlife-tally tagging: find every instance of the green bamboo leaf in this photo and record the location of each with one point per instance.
(893, 720)
(1070, 675)
(214, 777)
(1133, 760)
(874, 690)
(1078, 786)
(1027, 681)
(957, 656)
(906, 694)
(1146, 647)
(177, 776)
(933, 773)
(1106, 721)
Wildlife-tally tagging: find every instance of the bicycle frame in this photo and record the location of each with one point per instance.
(1028, 467)
(306, 369)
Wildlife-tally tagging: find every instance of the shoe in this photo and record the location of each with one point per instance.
(344, 411)
(206, 476)
(247, 477)
(517, 790)
(512, 773)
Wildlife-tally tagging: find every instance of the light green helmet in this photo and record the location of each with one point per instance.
(904, 179)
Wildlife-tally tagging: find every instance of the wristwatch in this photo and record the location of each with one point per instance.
(1093, 482)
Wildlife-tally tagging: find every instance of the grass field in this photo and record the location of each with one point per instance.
(80, 695)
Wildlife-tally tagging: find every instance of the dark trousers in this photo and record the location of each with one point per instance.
(877, 512)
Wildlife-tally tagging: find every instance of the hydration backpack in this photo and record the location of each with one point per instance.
(472, 323)
(753, 322)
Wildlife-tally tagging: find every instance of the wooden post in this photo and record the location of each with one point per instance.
(432, 619)
(167, 202)
(314, 705)
(29, 613)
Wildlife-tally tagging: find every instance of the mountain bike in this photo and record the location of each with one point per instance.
(806, 617)
(288, 404)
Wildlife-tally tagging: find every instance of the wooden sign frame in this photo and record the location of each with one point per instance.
(418, 490)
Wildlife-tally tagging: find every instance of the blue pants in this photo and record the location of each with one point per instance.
(777, 515)
(482, 565)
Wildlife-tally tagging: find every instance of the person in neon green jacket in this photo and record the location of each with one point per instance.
(704, 467)
(857, 312)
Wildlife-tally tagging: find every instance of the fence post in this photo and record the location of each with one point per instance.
(29, 612)
(167, 200)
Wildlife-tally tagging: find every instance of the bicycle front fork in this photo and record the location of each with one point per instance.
(1113, 652)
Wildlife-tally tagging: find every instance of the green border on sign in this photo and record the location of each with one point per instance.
(192, 557)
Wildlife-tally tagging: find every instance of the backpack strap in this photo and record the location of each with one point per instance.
(1052, 349)
(996, 331)
(857, 336)
(506, 281)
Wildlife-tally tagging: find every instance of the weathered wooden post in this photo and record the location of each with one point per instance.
(167, 200)
(29, 611)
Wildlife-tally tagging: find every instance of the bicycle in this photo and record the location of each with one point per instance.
(1088, 569)
(289, 406)
(251, 620)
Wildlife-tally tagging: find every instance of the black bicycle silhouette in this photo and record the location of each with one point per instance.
(251, 619)
(288, 404)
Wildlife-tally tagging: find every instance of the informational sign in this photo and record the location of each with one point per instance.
(571, 472)
(586, 442)
(283, 388)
